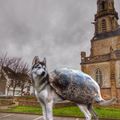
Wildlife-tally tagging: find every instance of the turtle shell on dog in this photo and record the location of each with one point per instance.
(74, 85)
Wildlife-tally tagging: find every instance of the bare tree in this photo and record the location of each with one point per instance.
(16, 72)
(6, 62)
(24, 79)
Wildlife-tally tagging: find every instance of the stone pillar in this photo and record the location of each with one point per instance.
(112, 78)
(83, 68)
(83, 55)
(112, 74)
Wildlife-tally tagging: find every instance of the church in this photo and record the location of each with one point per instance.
(103, 63)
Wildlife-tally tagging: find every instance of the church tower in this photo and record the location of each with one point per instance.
(106, 19)
(103, 63)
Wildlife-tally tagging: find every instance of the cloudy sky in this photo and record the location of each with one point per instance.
(56, 29)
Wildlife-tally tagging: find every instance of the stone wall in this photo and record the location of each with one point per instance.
(104, 67)
(32, 101)
(101, 47)
(5, 101)
(111, 77)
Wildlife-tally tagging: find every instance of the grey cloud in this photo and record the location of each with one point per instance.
(56, 29)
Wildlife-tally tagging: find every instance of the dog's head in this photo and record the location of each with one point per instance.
(39, 69)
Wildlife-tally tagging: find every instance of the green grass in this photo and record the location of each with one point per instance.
(72, 111)
(25, 109)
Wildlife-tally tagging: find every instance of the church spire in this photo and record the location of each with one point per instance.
(106, 19)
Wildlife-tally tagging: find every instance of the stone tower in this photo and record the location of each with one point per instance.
(103, 64)
(106, 17)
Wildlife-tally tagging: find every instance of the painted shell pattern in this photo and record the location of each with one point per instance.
(74, 85)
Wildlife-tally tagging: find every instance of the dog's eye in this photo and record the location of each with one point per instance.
(39, 67)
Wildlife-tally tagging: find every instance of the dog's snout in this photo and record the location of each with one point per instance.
(43, 73)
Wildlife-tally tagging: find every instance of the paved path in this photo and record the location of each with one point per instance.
(9, 116)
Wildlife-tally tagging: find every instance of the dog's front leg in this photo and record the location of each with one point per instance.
(44, 111)
(49, 110)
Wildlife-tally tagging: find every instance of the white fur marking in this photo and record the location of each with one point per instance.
(86, 112)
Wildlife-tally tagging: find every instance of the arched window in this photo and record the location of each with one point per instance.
(103, 5)
(103, 25)
(99, 77)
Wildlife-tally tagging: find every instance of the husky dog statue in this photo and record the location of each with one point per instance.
(65, 84)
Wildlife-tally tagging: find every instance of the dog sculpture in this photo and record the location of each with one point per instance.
(65, 84)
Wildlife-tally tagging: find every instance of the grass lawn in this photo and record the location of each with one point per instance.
(72, 111)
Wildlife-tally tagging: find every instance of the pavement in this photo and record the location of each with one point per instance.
(10, 116)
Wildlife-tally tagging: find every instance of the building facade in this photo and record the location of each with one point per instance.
(103, 63)
(2, 86)
(8, 91)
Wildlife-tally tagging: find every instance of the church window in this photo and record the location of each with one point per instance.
(102, 5)
(103, 25)
(99, 77)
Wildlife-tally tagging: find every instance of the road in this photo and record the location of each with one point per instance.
(9, 116)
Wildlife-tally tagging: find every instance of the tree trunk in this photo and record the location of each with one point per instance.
(22, 88)
(7, 91)
(14, 91)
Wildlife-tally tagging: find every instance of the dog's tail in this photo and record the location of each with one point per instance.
(107, 102)
(103, 102)
(98, 99)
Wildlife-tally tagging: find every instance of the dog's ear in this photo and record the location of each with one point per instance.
(35, 60)
(44, 61)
